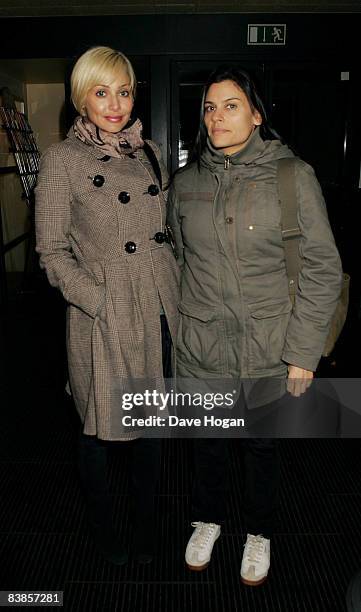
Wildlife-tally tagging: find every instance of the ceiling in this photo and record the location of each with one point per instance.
(53, 8)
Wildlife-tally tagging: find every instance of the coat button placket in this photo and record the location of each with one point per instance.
(130, 247)
(98, 180)
(124, 197)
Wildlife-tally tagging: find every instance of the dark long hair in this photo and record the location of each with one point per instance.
(245, 82)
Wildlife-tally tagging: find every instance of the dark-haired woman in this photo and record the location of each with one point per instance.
(236, 315)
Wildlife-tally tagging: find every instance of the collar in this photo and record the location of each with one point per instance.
(120, 145)
(253, 150)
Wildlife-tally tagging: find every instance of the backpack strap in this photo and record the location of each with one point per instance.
(148, 150)
(291, 232)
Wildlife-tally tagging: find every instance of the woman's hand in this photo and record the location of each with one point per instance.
(298, 380)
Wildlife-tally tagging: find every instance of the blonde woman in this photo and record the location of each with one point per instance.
(100, 215)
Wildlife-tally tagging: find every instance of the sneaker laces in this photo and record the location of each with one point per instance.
(254, 548)
(202, 534)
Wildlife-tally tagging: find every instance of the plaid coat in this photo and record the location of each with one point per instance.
(88, 208)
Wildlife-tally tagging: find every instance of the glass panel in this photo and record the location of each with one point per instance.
(309, 106)
(142, 106)
(189, 112)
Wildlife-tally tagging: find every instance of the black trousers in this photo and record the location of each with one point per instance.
(146, 457)
(261, 491)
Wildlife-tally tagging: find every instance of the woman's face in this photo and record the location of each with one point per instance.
(109, 106)
(228, 117)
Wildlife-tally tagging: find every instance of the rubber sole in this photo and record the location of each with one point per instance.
(197, 568)
(253, 582)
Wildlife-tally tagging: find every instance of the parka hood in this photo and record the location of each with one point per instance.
(256, 152)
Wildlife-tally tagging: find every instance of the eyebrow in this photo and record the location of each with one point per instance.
(107, 86)
(226, 100)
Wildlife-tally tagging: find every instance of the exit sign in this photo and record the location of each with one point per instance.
(266, 34)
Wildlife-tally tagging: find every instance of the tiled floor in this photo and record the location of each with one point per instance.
(44, 540)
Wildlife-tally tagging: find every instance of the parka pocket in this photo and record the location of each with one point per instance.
(199, 338)
(262, 207)
(266, 334)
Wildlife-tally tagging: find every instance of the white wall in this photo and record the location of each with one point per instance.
(45, 105)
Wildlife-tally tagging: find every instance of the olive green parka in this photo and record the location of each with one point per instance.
(236, 315)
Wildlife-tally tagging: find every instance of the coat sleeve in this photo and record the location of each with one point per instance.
(320, 277)
(53, 227)
(174, 221)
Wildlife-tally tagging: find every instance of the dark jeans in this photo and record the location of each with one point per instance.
(92, 468)
(261, 464)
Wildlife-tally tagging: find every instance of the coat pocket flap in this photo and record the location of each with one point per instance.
(272, 309)
(202, 313)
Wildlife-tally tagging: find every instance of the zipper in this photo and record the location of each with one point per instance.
(227, 161)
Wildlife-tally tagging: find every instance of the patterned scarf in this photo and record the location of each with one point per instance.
(116, 145)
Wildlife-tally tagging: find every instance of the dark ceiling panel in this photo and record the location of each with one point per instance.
(39, 8)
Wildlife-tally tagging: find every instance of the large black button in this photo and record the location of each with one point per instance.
(130, 247)
(153, 190)
(124, 197)
(160, 237)
(98, 180)
(105, 158)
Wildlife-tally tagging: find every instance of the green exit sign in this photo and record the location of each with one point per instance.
(266, 34)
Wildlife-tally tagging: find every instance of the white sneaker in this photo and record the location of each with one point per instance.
(256, 560)
(200, 546)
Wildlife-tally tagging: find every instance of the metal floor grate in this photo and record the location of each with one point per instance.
(44, 540)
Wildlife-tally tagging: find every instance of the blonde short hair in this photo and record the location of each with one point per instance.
(95, 66)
